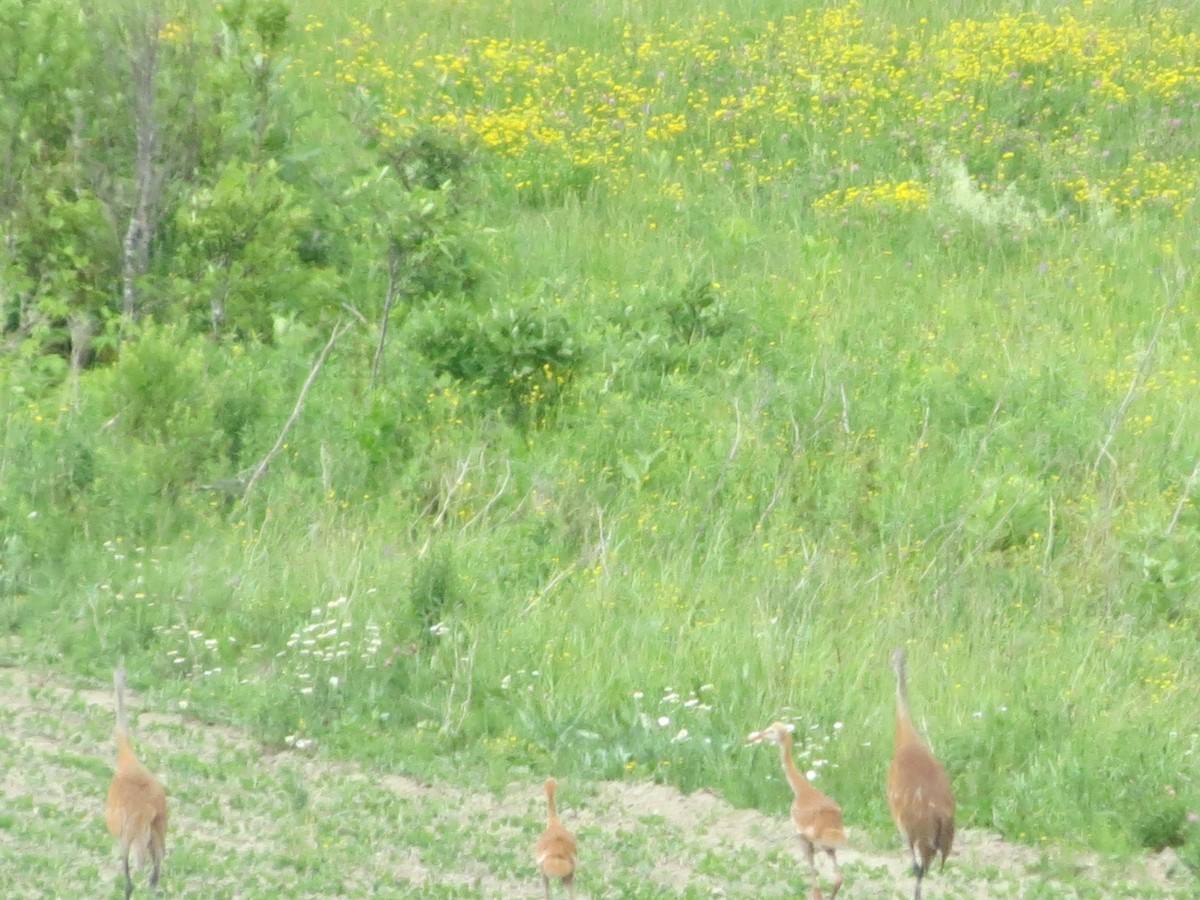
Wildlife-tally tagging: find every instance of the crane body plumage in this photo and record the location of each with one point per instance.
(919, 794)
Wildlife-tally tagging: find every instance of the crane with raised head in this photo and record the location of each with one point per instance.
(136, 810)
(918, 789)
(555, 850)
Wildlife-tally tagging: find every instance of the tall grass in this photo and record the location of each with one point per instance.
(882, 385)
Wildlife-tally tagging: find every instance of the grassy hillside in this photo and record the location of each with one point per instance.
(725, 352)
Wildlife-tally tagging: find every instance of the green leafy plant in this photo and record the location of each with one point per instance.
(523, 356)
(238, 263)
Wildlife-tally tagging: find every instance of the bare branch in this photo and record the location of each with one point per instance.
(492, 500)
(460, 479)
(924, 433)
(783, 479)
(1135, 383)
(565, 572)
(1183, 498)
(354, 312)
(599, 551)
(393, 291)
(338, 330)
(1049, 536)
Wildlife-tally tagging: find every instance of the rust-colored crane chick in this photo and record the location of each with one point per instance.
(918, 789)
(136, 812)
(818, 819)
(555, 851)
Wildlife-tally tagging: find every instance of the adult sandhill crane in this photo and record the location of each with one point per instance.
(918, 790)
(555, 851)
(136, 812)
(818, 819)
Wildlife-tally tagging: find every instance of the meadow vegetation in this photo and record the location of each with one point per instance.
(679, 367)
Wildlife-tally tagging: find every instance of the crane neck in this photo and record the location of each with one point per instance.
(906, 732)
(126, 758)
(122, 715)
(551, 806)
(799, 783)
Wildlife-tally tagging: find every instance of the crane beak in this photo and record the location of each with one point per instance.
(756, 737)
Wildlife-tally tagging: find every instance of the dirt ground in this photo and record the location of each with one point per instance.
(394, 836)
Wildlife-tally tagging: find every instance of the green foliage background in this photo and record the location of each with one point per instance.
(692, 364)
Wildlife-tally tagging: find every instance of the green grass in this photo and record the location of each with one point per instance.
(866, 382)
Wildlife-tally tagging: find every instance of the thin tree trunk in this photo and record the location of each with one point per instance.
(83, 327)
(393, 291)
(143, 60)
(219, 296)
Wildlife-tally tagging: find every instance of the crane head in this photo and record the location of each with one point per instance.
(773, 733)
(898, 659)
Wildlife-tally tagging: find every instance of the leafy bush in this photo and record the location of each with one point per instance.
(424, 243)
(237, 244)
(698, 311)
(162, 434)
(432, 160)
(63, 267)
(522, 357)
(669, 323)
(1161, 823)
(1166, 582)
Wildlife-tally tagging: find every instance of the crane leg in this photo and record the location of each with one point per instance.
(837, 876)
(128, 877)
(810, 855)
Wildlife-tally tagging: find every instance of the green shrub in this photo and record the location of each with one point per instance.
(522, 358)
(416, 229)
(1161, 823)
(237, 255)
(64, 267)
(699, 311)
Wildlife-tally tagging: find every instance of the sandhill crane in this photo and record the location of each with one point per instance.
(918, 790)
(136, 811)
(555, 851)
(818, 819)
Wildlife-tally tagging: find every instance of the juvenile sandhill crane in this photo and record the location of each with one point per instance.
(919, 793)
(136, 811)
(555, 851)
(818, 819)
